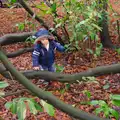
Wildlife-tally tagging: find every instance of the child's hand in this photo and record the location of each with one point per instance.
(36, 68)
(51, 37)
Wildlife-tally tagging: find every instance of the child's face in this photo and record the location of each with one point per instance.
(44, 40)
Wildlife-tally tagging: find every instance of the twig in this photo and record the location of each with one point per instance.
(14, 93)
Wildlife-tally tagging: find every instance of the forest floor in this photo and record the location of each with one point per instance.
(73, 63)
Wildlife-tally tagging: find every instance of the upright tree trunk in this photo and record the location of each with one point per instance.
(104, 34)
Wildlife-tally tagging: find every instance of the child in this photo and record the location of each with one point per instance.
(43, 55)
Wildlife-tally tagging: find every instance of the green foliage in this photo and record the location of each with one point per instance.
(21, 26)
(115, 100)
(89, 79)
(87, 93)
(106, 86)
(12, 1)
(118, 50)
(30, 40)
(18, 106)
(59, 68)
(80, 19)
(103, 107)
(3, 84)
(48, 108)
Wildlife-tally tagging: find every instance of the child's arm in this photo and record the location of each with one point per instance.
(35, 57)
(58, 46)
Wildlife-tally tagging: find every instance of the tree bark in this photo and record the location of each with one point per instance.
(76, 113)
(104, 34)
(14, 38)
(98, 71)
(19, 52)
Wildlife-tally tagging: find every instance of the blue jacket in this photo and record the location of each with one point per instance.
(41, 56)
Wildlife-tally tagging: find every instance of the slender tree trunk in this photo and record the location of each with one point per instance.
(104, 34)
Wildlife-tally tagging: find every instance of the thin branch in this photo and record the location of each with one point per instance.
(14, 38)
(14, 93)
(25, 6)
(19, 52)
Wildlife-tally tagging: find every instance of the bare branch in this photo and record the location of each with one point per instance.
(14, 38)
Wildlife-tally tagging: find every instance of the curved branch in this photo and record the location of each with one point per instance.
(14, 93)
(46, 95)
(25, 6)
(98, 71)
(19, 52)
(14, 38)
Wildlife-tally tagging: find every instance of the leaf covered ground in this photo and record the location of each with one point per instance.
(72, 62)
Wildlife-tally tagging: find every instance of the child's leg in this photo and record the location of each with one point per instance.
(44, 68)
(52, 68)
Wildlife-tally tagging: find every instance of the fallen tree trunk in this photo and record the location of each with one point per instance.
(98, 71)
(19, 52)
(46, 95)
(14, 38)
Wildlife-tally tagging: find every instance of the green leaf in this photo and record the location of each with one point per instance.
(96, 26)
(116, 102)
(8, 105)
(87, 93)
(103, 103)
(90, 51)
(62, 91)
(32, 107)
(98, 110)
(21, 110)
(48, 108)
(3, 84)
(14, 107)
(38, 107)
(92, 35)
(114, 113)
(21, 26)
(53, 7)
(94, 102)
(106, 86)
(67, 86)
(12, 1)
(115, 97)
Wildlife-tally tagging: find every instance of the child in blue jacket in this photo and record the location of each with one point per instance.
(43, 55)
